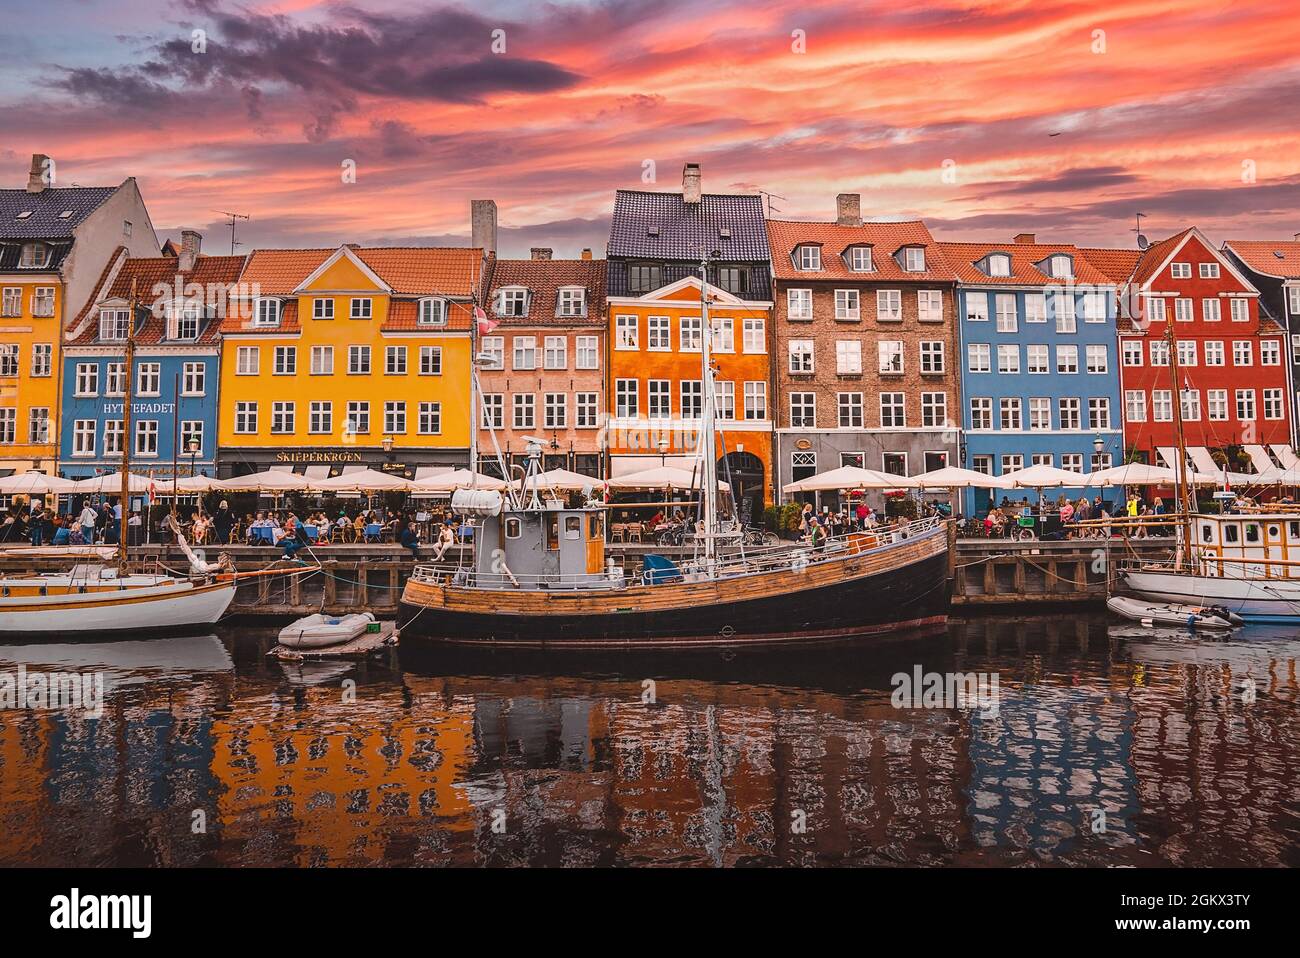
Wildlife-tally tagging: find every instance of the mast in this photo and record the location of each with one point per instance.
(129, 376)
(708, 423)
(1181, 485)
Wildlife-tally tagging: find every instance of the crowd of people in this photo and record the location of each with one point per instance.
(88, 523)
(1073, 519)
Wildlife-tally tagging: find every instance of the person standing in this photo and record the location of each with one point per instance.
(87, 523)
(224, 523)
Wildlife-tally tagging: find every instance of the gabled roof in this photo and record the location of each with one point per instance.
(1025, 258)
(409, 271)
(45, 208)
(544, 278)
(687, 231)
(1279, 258)
(1117, 264)
(884, 238)
(1154, 256)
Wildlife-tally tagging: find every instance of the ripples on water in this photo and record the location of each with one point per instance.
(414, 762)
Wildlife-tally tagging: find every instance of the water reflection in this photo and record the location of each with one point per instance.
(208, 752)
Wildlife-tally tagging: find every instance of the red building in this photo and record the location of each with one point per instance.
(1231, 358)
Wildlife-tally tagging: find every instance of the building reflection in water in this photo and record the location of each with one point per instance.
(435, 759)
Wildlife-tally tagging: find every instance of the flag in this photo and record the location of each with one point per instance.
(153, 492)
(485, 325)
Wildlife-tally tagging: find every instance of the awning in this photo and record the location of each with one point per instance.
(425, 472)
(1203, 461)
(1286, 455)
(1259, 458)
(317, 472)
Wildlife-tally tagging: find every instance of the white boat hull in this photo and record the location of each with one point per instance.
(320, 631)
(1253, 599)
(168, 604)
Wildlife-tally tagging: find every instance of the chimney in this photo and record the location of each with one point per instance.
(541, 252)
(41, 175)
(848, 209)
(191, 242)
(691, 183)
(483, 224)
(586, 252)
(1025, 239)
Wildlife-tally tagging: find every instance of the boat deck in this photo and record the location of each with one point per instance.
(363, 646)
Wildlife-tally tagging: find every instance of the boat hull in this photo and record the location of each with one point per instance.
(166, 607)
(1255, 600)
(862, 595)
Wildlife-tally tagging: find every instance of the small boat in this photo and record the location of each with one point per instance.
(320, 630)
(1173, 615)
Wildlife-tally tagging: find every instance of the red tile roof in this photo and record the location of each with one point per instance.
(886, 238)
(1155, 254)
(1117, 264)
(1025, 258)
(1270, 257)
(543, 278)
(411, 271)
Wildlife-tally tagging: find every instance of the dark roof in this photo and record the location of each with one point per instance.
(543, 278)
(687, 231)
(45, 207)
(11, 255)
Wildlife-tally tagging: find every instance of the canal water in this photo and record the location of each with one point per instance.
(1104, 745)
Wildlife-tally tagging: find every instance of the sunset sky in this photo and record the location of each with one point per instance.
(1049, 127)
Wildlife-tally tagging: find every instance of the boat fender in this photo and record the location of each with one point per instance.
(799, 563)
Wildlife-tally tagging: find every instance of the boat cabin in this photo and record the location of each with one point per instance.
(1250, 545)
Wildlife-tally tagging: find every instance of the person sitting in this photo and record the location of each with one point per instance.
(291, 540)
(410, 539)
(446, 539)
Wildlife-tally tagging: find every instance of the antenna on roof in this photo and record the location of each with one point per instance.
(233, 218)
(768, 198)
(1142, 241)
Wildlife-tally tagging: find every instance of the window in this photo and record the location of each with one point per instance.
(42, 359)
(891, 357)
(848, 357)
(1132, 352)
(358, 360)
(395, 418)
(1061, 267)
(754, 335)
(194, 379)
(585, 353)
(1156, 310)
(1241, 352)
(889, 305)
(1068, 411)
(494, 411)
(35, 256)
(555, 352)
(1239, 310)
(1005, 306)
(982, 464)
(934, 409)
(657, 334)
(1012, 463)
(893, 412)
(247, 360)
(358, 419)
(1099, 412)
(733, 279)
(1293, 297)
(1040, 413)
(850, 405)
(692, 396)
(1162, 405)
(1159, 352)
(846, 304)
(361, 307)
(266, 312)
(192, 433)
(625, 332)
(1035, 307)
(1191, 404)
(1245, 404)
(1009, 413)
(981, 412)
(433, 312)
(322, 360)
(43, 301)
(115, 379)
(9, 358)
(860, 259)
(87, 379)
(755, 400)
(148, 379)
(724, 336)
(1135, 405)
(798, 304)
(1073, 461)
(1214, 352)
(1210, 310)
(83, 437)
(809, 258)
(999, 264)
(586, 411)
(625, 398)
(1187, 352)
(1216, 402)
(395, 361)
(1036, 359)
(282, 417)
(494, 352)
(1270, 352)
(1180, 270)
(555, 409)
(803, 410)
(689, 335)
(929, 305)
(525, 411)
(1094, 307)
(430, 422)
(183, 321)
(321, 417)
(725, 397)
(1063, 305)
(430, 360)
(1272, 404)
(286, 360)
(642, 278)
(1008, 358)
(112, 437)
(914, 259)
(321, 309)
(246, 418)
(801, 356)
(525, 352)
(978, 357)
(1067, 359)
(8, 425)
(114, 325)
(977, 308)
(659, 398)
(932, 360)
(13, 302)
(1209, 270)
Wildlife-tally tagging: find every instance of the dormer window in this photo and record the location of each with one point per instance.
(734, 279)
(572, 302)
(809, 258)
(914, 259)
(183, 323)
(114, 325)
(512, 302)
(1060, 266)
(34, 256)
(860, 259)
(433, 312)
(999, 264)
(266, 312)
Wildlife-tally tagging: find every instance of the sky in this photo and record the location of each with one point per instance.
(377, 121)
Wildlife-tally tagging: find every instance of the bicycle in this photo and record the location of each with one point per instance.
(1025, 530)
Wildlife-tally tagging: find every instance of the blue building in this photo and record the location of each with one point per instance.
(1040, 374)
(176, 368)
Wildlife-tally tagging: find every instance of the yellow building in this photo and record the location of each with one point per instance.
(349, 358)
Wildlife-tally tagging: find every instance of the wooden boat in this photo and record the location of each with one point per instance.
(321, 630)
(1172, 615)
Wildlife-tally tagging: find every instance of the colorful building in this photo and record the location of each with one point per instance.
(1234, 378)
(54, 242)
(654, 398)
(542, 368)
(1039, 369)
(866, 343)
(176, 372)
(350, 358)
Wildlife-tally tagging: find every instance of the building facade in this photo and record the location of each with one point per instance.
(654, 400)
(176, 376)
(1039, 381)
(350, 358)
(866, 344)
(54, 242)
(542, 364)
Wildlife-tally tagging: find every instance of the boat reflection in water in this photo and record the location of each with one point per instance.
(699, 758)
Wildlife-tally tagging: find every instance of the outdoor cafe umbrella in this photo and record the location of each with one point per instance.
(562, 480)
(446, 482)
(35, 484)
(1042, 477)
(363, 480)
(951, 477)
(662, 477)
(1132, 474)
(849, 477)
(272, 481)
(111, 483)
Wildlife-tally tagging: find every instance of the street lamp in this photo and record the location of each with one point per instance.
(663, 450)
(192, 447)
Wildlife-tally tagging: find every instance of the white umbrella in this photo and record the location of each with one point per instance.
(1132, 474)
(196, 484)
(112, 483)
(662, 477)
(457, 479)
(1042, 477)
(364, 480)
(35, 484)
(849, 477)
(270, 481)
(565, 481)
(950, 477)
